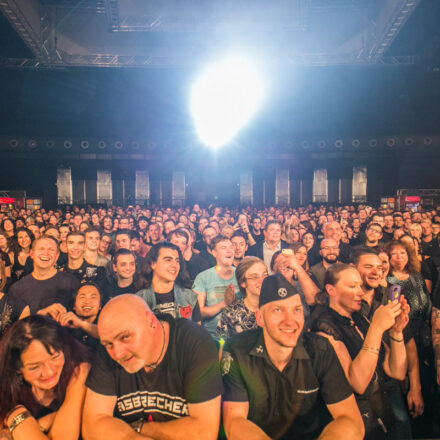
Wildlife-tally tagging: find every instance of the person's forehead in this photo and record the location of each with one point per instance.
(238, 240)
(45, 243)
(291, 301)
(88, 290)
(75, 238)
(273, 226)
(368, 259)
(127, 258)
(328, 242)
(168, 252)
(120, 237)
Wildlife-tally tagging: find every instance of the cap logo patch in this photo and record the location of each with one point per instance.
(282, 292)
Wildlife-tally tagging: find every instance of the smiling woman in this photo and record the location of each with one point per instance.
(42, 376)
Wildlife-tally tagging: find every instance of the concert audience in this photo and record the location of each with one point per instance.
(42, 272)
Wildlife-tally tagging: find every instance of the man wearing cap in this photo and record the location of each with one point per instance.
(277, 380)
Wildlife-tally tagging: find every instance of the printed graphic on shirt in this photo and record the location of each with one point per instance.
(143, 402)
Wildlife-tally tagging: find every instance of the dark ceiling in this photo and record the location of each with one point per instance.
(327, 72)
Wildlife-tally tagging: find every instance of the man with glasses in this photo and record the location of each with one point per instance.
(373, 234)
(330, 254)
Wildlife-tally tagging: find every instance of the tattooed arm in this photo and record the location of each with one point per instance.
(435, 320)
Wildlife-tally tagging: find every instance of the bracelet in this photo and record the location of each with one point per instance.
(395, 339)
(373, 350)
(19, 419)
(137, 425)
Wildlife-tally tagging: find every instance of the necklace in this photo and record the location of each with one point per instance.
(155, 364)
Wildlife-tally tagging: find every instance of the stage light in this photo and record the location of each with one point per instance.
(224, 98)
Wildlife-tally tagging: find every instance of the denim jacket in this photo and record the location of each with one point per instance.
(184, 299)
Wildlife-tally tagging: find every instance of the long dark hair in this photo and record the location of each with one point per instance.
(144, 278)
(13, 389)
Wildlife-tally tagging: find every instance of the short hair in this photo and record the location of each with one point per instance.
(178, 233)
(75, 233)
(93, 229)
(239, 234)
(153, 224)
(123, 232)
(271, 222)
(370, 225)
(45, 237)
(134, 235)
(120, 252)
(49, 227)
(359, 251)
(217, 239)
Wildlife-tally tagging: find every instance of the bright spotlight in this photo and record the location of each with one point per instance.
(224, 99)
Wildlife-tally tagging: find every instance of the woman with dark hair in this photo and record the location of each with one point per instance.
(42, 380)
(22, 260)
(163, 283)
(367, 354)
(310, 242)
(7, 225)
(405, 272)
(6, 253)
(240, 315)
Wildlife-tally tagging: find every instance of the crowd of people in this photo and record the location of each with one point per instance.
(274, 322)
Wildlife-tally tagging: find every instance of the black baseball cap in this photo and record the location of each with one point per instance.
(274, 288)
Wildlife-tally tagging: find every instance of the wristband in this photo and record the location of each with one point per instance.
(373, 350)
(19, 419)
(395, 339)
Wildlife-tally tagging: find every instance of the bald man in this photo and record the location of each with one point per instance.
(333, 230)
(154, 377)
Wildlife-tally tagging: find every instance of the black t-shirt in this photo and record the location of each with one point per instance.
(429, 248)
(38, 294)
(165, 303)
(88, 273)
(5, 258)
(188, 373)
(196, 265)
(112, 289)
(258, 238)
(288, 404)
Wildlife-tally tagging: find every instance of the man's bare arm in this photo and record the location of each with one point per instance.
(237, 425)
(347, 421)
(99, 423)
(203, 423)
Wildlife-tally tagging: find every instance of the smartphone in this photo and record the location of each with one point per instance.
(394, 292)
(287, 251)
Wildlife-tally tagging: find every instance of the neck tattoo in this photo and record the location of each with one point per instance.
(155, 364)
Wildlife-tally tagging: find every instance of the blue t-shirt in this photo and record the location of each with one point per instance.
(209, 282)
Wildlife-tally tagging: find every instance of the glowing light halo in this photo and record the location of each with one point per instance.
(224, 98)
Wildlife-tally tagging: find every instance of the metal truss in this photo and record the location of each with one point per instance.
(401, 11)
(118, 61)
(17, 16)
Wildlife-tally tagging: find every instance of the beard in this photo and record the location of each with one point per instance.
(330, 259)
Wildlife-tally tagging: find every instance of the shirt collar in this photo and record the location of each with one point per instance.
(277, 248)
(259, 349)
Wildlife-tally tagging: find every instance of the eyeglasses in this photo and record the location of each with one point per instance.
(257, 277)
